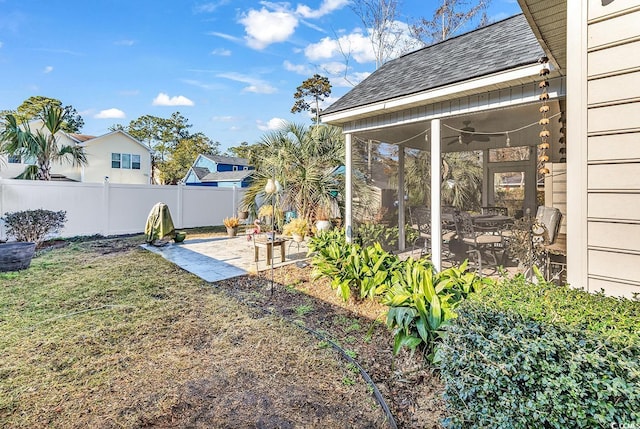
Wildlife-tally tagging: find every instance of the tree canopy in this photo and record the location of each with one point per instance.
(316, 88)
(174, 148)
(32, 107)
(449, 19)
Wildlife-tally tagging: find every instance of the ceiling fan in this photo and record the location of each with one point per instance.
(468, 135)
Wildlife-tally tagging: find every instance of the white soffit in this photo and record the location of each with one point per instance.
(548, 21)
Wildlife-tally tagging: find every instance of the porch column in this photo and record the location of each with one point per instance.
(436, 173)
(348, 185)
(401, 222)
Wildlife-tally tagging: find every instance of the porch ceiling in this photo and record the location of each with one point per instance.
(499, 121)
(548, 20)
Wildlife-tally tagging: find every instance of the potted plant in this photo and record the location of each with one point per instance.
(243, 213)
(322, 219)
(232, 224)
(297, 228)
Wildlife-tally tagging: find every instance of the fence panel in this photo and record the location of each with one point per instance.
(113, 209)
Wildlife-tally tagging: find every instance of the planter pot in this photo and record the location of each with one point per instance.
(243, 215)
(323, 225)
(298, 238)
(180, 236)
(232, 231)
(16, 256)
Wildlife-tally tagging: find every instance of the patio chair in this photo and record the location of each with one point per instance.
(420, 221)
(477, 241)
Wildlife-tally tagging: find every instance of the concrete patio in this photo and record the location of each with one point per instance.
(218, 258)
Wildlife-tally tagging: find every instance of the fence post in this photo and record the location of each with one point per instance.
(180, 219)
(106, 189)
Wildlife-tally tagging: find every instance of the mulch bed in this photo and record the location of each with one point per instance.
(412, 389)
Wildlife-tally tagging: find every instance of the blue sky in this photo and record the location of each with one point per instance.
(230, 67)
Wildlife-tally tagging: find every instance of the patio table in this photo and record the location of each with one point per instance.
(269, 245)
(492, 221)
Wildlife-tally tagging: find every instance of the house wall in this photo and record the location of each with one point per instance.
(613, 146)
(113, 209)
(99, 152)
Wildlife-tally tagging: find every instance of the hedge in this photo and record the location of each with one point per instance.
(522, 355)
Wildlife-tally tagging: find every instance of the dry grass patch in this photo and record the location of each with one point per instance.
(105, 334)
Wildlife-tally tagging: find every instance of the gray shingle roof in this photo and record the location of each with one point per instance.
(200, 171)
(227, 176)
(232, 160)
(497, 47)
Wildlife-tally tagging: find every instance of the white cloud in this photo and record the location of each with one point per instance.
(225, 36)
(223, 118)
(1, 44)
(326, 7)
(47, 69)
(355, 44)
(209, 7)
(164, 100)
(254, 85)
(358, 46)
(112, 113)
(297, 68)
(221, 52)
(264, 27)
(203, 85)
(124, 42)
(273, 124)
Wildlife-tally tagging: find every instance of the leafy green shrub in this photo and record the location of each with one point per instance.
(354, 268)
(34, 225)
(614, 318)
(323, 238)
(369, 233)
(522, 355)
(422, 302)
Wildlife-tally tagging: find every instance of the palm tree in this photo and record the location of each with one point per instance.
(303, 161)
(461, 179)
(19, 139)
(306, 162)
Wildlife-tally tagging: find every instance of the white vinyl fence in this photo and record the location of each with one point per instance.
(114, 209)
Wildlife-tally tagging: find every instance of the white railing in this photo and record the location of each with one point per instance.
(114, 209)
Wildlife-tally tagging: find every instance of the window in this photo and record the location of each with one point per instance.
(235, 168)
(125, 161)
(15, 159)
(245, 168)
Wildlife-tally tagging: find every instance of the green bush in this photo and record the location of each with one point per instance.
(351, 267)
(34, 225)
(614, 318)
(522, 355)
(421, 302)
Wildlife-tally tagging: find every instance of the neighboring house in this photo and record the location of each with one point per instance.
(116, 155)
(487, 80)
(220, 171)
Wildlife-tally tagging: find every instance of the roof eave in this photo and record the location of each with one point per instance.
(528, 72)
(544, 18)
